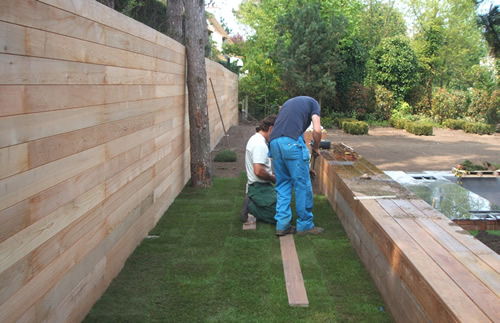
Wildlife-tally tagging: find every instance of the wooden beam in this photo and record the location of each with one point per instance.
(251, 223)
(297, 295)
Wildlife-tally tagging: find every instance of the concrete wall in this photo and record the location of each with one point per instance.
(94, 147)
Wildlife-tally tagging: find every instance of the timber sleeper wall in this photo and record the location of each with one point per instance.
(94, 147)
(426, 267)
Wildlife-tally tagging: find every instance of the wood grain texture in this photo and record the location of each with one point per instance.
(295, 288)
(14, 160)
(480, 294)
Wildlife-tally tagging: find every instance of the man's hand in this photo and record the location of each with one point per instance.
(312, 173)
(261, 172)
(315, 152)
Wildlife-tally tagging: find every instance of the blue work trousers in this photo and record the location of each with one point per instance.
(291, 167)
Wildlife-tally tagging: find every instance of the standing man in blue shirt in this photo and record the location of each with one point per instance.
(291, 164)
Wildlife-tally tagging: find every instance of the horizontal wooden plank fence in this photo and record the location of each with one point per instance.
(94, 147)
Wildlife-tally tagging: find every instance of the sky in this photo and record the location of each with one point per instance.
(223, 8)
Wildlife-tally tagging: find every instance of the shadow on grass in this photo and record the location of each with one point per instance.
(204, 267)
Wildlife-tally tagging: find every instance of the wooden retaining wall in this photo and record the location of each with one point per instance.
(427, 268)
(94, 147)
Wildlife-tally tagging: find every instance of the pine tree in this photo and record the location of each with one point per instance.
(309, 51)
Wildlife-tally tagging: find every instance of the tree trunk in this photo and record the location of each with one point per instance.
(199, 132)
(175, 10)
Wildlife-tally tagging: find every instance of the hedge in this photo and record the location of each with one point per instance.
(479, 128)
(419, 128)
(454, 124)
(225, 156)
(355, 128)
(398, 123)
(340, 121)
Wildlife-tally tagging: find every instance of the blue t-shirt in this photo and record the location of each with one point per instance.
(295, 117)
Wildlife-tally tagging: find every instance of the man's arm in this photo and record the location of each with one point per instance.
(261, 172)
(316, 132)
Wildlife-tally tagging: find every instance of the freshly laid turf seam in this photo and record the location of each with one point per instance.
(295, 288)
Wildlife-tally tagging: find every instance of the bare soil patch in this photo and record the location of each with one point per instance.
(386, 148)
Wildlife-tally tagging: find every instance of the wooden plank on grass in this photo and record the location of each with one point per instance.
(251, 223)
(297, 295)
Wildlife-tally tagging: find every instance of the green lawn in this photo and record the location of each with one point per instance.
(204, 267)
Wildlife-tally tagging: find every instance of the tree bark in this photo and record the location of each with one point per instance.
(199, 132)
(175, 30)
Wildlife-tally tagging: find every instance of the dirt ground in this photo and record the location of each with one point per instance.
(389, 149)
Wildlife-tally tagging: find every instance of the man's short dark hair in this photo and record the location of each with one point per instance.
(266, 123)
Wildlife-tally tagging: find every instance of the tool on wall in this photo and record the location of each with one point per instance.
(220, 115)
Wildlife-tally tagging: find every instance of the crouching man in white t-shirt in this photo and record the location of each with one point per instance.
(261, 198)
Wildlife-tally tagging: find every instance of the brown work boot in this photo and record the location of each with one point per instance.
(290, 230)
(313, 230)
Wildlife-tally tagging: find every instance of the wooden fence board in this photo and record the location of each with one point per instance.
(38, 206)
(94, 11)
(57, 97)
(31, 70)
(12, 39)
(12, 100)
(14, 159)
(94, 144)
(62, 240)
(14, 219)
(17, 188)
(108, 217)
(36, 14)
(22, 243)
(20, 128)
(49, 149)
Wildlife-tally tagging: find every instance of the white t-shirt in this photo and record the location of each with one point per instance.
(256, 153)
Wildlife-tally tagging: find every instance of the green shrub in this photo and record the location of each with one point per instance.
(443, 106)
(419, 128)
(360, 100)
(398, 123)
(454, 124)
(384, 103)
(478, 107)
(468, 165)
(225, 156)
(461, 102)
(493, 112)
(340, 121)
(479, 128)
(355, 128)
(327, 122)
